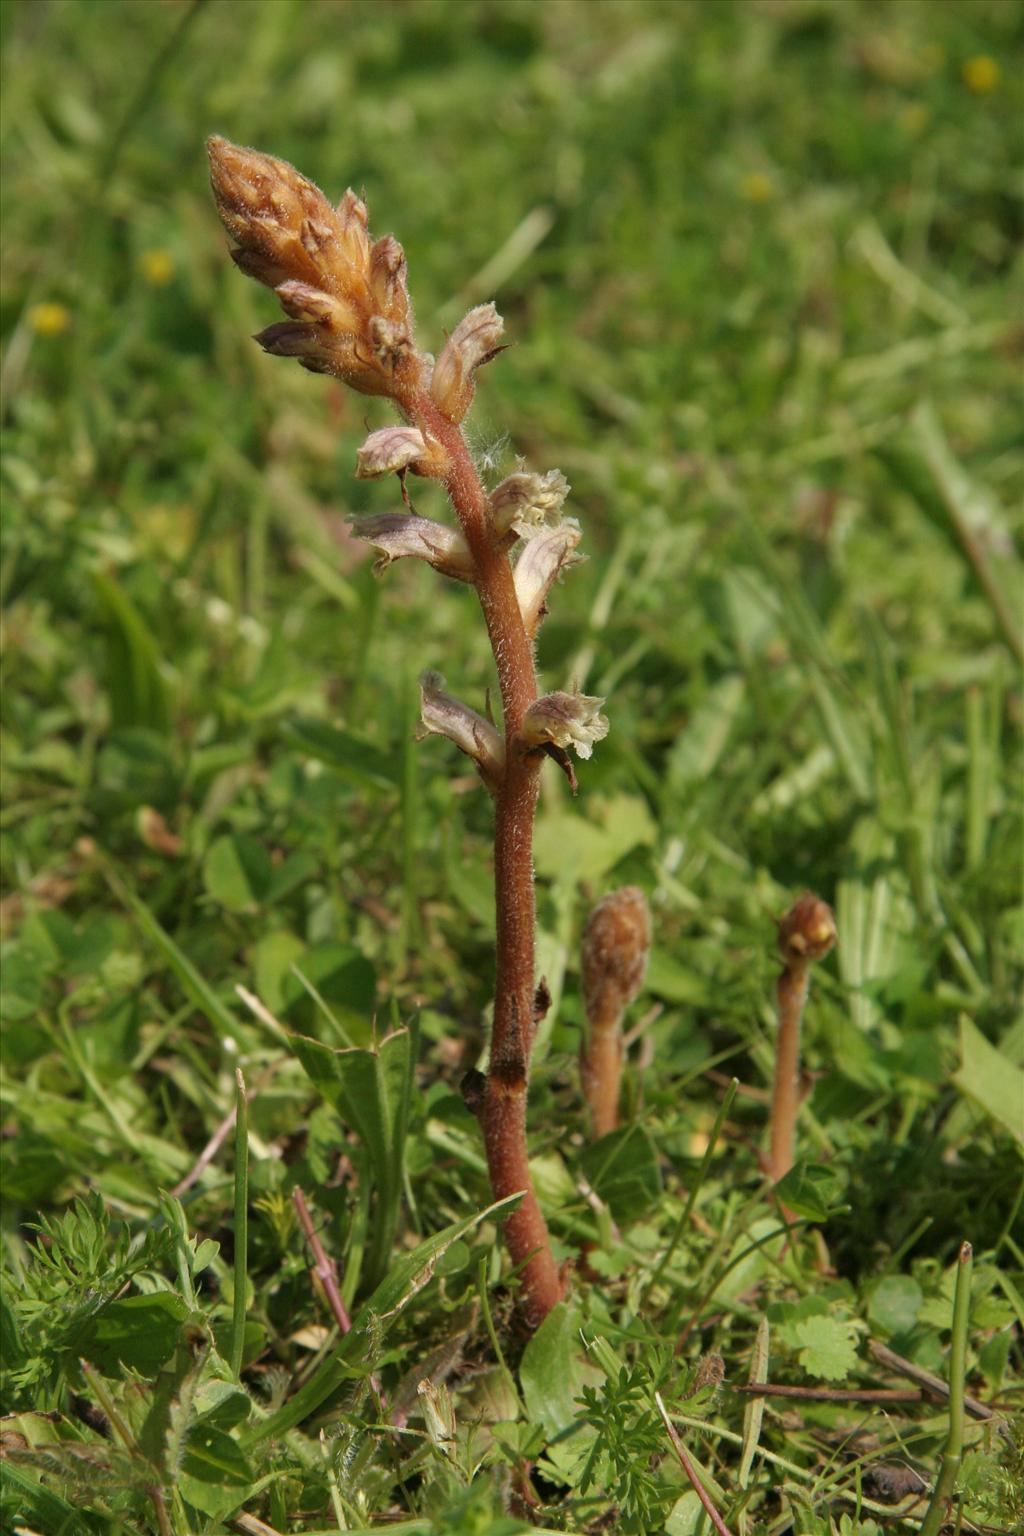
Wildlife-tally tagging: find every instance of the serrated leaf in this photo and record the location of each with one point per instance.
(829, 1350)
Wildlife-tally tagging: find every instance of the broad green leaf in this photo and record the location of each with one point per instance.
(275, 954)
(623, 1170)
(237, 871)
(553, 1371)
(809, 1189)
(215, 1475)
(993, 1082)
(895, 1303)
(138, 1333)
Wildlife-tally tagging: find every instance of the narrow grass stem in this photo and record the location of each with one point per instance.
(952, 1455)
(502, 1109)
(241, 1262)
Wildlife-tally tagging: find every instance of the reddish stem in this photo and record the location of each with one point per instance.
(792, 995)
(601, 1061)
(502, 1110)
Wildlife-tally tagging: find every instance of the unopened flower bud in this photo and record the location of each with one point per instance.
(443, 715)
(565, 720)
(616, 944)
(391, 450)
(808, 930)
(474, 341)
(389, 278)
(400, 534)
(542, 560)
(349, 299)
(525, 502)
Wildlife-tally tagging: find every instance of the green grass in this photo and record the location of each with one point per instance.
(760, 265)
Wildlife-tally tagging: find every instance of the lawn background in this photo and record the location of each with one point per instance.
(760, 266)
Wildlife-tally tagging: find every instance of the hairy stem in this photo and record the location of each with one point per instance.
(502, 1109)
(792, 995)
(601, 1060)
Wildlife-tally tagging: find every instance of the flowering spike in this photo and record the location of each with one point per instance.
(542, 561)
(524, 502)
(398, 534)
(443, 715)
(565, 720)
(394, 449)
(474, 341)
(350, 298)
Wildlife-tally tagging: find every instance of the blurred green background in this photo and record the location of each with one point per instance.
(760, 263)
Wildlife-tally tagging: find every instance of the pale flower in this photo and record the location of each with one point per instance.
(443, 715)
(565, 720)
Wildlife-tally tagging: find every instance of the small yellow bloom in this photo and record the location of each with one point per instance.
(157, 267)
(757, 188)
(50, 318)
(981, 74)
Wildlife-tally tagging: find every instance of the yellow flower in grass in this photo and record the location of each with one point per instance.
(981, 74)
(49, 318)
(756, 187)
(157, 267)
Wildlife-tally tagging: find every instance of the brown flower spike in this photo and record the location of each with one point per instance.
(349, 314)
(616, 944)
(806, 933)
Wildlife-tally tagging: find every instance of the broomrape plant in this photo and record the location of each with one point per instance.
(349, 314)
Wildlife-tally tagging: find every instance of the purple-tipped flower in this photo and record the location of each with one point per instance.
(394, 449)
(542, 561)
(524, 503)
(565, 720)
(443, 715)
(474, 341)
(401, 534)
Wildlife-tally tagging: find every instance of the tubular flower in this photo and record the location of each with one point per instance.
(525, 502)
(443, 715)
(542, 560)
(394, 449)
(474, 341)
(346, 298)
(565, 720)
(398, 534)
